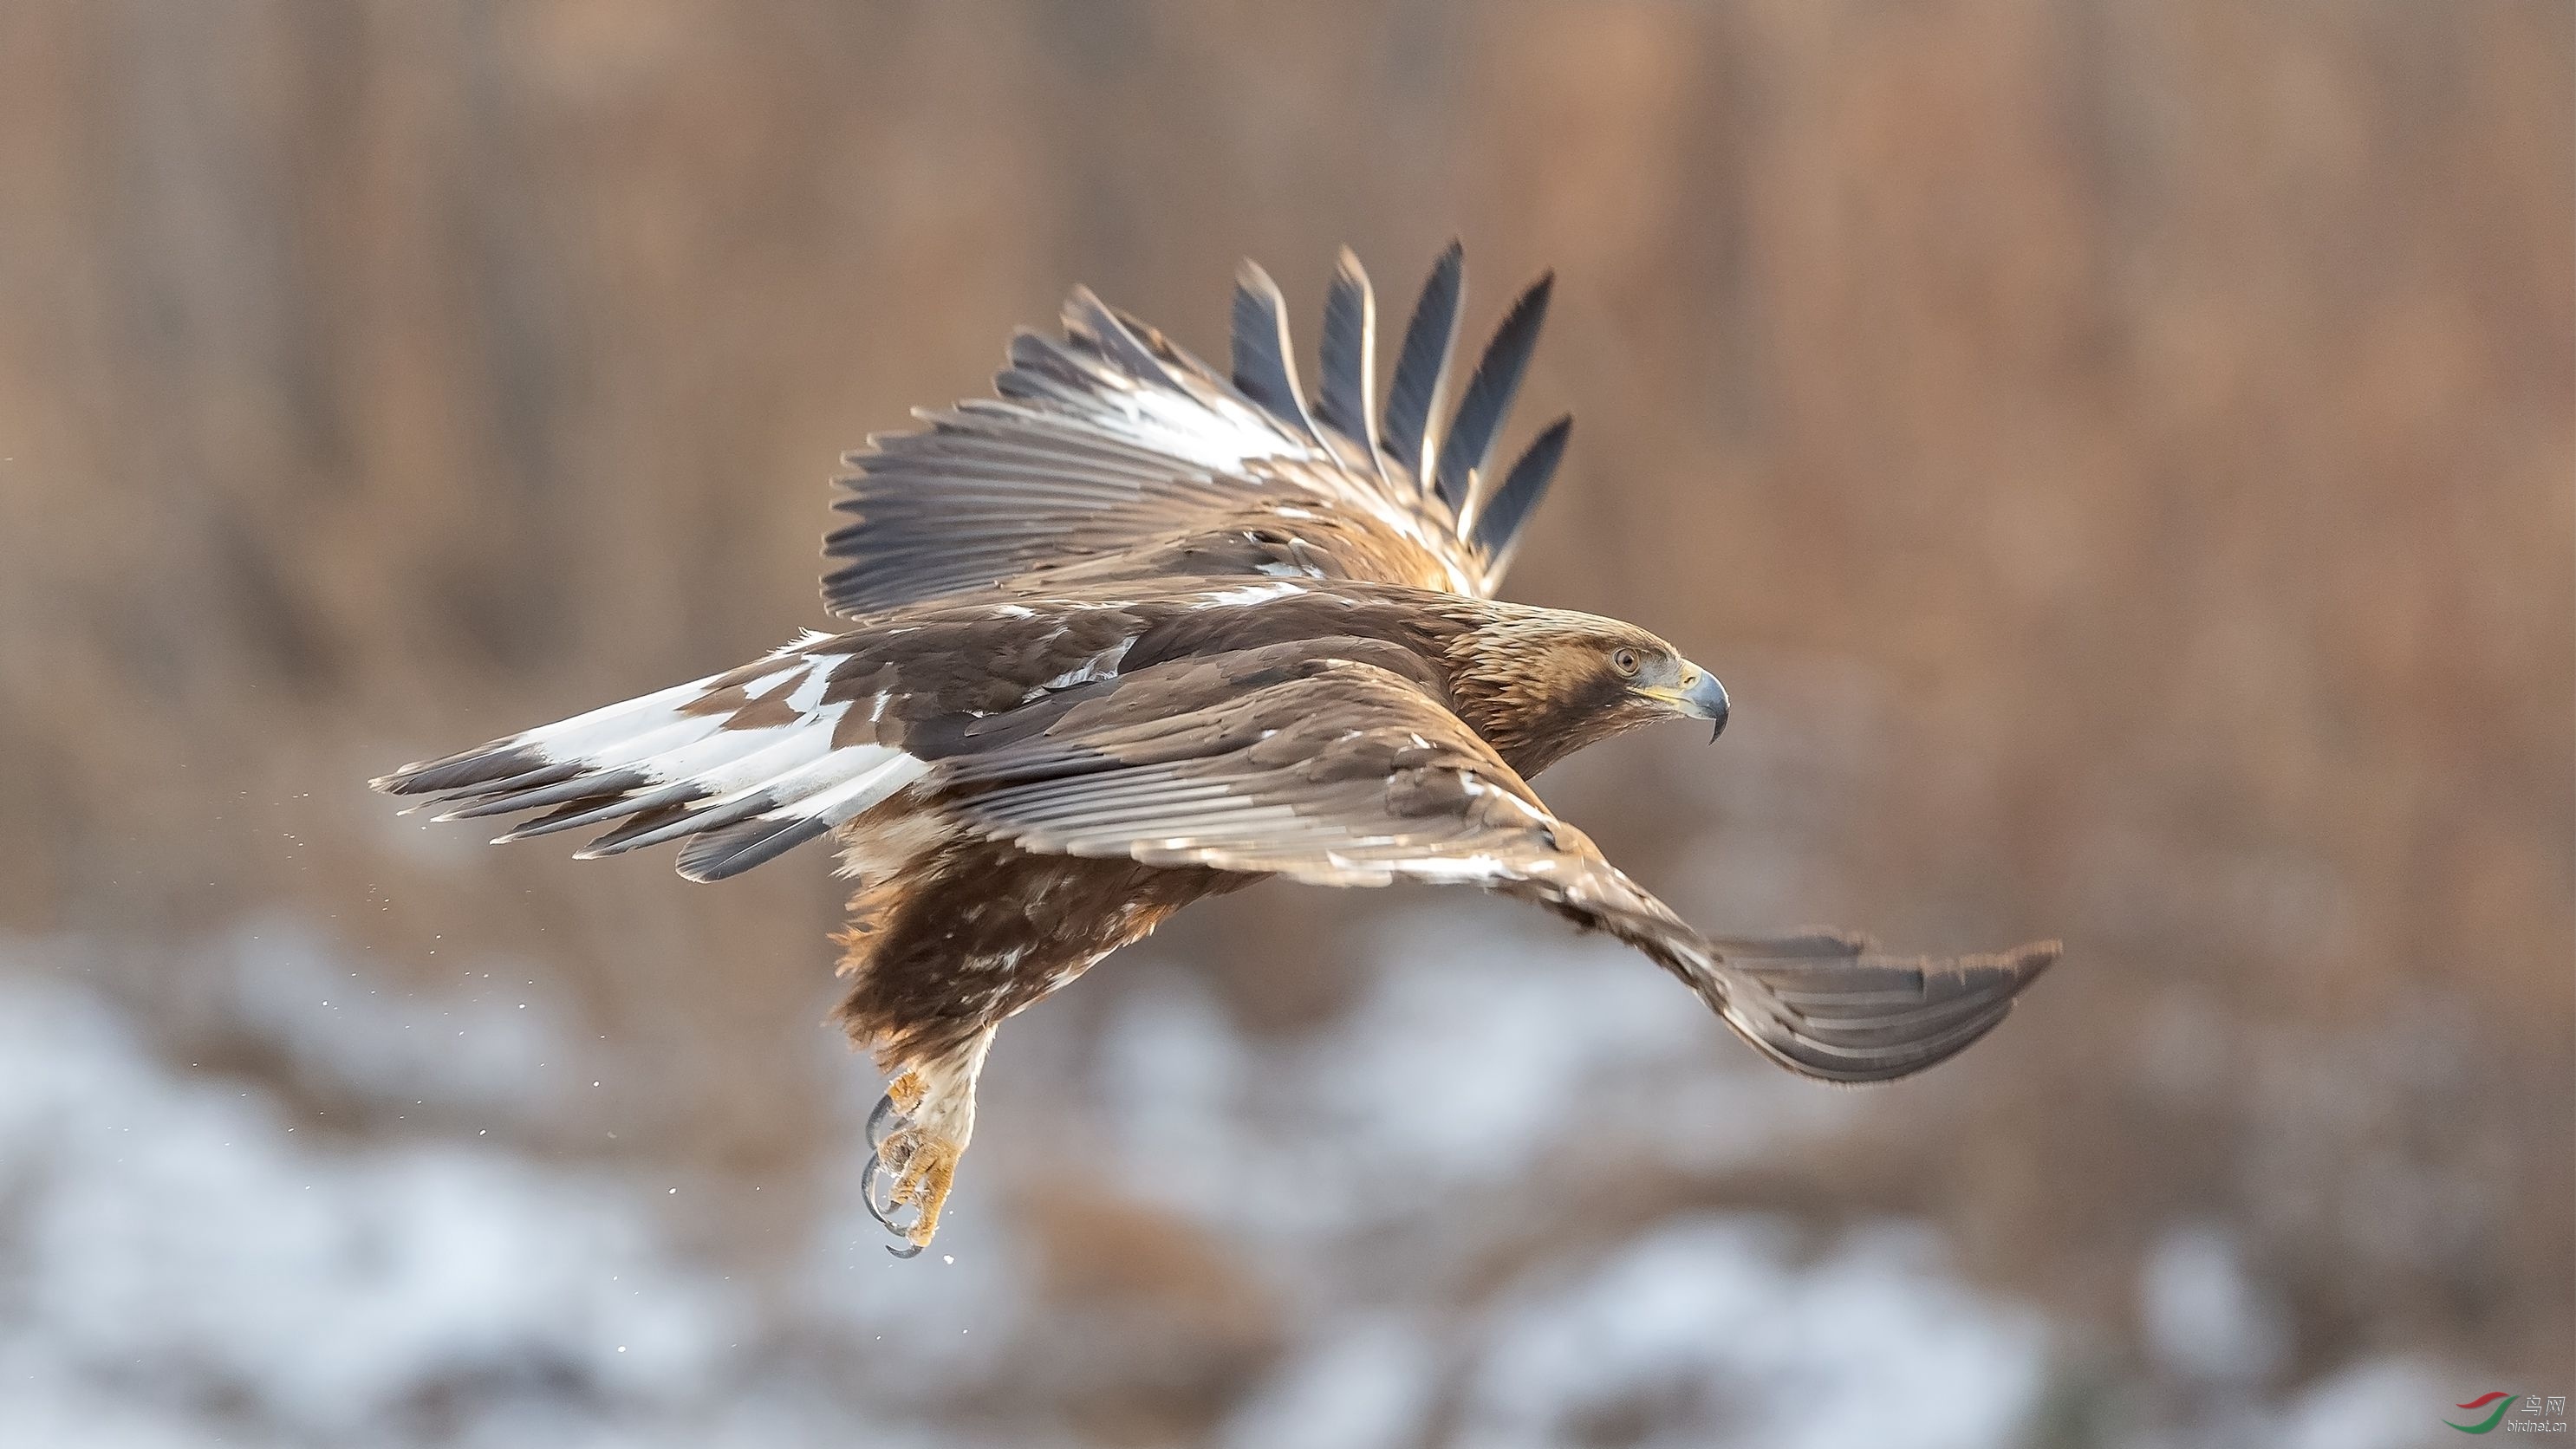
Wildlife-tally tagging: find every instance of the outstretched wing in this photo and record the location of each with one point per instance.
(1115, 454)
(1342, 773)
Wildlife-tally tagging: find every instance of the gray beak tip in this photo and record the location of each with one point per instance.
(1708, 700)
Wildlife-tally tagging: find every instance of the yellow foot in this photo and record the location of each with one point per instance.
(906, 1092)
(918, 1133)
(913, 1165)
(925, 1167)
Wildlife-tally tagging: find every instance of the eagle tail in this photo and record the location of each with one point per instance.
(742, 765)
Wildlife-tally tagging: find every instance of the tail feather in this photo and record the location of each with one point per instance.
(656, 827)
(592, 781)
(603, 808)
(718, 854)
(712, 759)
(502, 764)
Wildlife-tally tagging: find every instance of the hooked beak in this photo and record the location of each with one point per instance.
(1698, 695)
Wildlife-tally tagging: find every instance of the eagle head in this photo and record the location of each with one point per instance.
(1539, 684)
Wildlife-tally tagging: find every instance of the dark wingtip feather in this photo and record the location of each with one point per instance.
(1092, 323)
(1499, 522)
(1261, 347)
(1422, 366)
(1350, 342)
(1469, 441)
(1825, 1006)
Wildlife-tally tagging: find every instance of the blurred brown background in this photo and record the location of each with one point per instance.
(2117, 455)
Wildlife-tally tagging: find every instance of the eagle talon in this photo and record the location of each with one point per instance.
(907, 1166)
(870, 1177)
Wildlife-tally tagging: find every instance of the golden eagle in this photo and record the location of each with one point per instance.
(1134, 632)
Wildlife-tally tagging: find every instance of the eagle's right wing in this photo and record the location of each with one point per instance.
(1342, 773)
(1115, 454)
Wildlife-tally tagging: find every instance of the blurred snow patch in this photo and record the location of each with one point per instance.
(2204, 1315)
(170, 1240)
(489, 1040)
(2377, 1403)
(181, 1266)
(1367, 1384)
(1716, 1331)
(1493, 1046)
(2388, 1403)
(926, 1329)
(1491, 1035)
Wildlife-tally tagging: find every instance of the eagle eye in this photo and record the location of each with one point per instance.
(1624, 660)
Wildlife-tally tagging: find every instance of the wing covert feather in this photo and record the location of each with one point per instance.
(1348, 774)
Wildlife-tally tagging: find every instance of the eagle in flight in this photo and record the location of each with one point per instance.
(1134, 632)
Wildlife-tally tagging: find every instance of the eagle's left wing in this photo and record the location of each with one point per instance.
(1340, 773)
(1115, 454)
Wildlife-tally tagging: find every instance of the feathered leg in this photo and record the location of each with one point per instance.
(948, 938)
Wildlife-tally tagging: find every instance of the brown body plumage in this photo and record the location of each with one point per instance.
(1136, 634)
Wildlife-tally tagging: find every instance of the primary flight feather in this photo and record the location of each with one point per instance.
(1132, 633)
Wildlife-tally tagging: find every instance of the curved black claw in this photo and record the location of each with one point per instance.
(884, 1212)
(880, 1120)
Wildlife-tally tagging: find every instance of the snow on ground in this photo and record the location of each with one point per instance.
(1715, 1322)
(181, 1266)
(1492, 1046)
(176, 1256)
